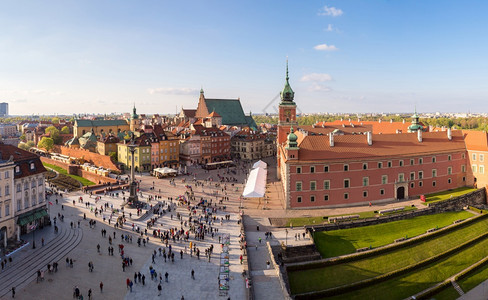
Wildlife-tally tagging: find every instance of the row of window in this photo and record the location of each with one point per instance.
(389, 164)
(478, 169)
(481, 157)
(384, 179)
(365, 193)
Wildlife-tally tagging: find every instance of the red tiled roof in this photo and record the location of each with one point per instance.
(378, 127)
(347, 129)
(346, 147)
(476, 140)
(189, 113)
(214, 115)
(23, 159)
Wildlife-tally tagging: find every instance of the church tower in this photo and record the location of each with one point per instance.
(287, 111)
(134, 120)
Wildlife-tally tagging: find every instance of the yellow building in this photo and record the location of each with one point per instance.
(142, 154)
(99, 127)
(169, 150)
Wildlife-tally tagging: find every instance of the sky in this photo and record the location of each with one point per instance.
(72, 57)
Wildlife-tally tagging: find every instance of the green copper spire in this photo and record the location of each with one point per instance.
(415, 123)
(134, 114)
(287, 95)
(292, 139)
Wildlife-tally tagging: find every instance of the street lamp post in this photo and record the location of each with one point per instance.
(286, 237)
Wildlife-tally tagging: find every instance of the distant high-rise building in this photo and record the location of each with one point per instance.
(3, 109)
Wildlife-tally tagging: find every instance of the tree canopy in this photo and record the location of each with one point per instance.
(46, 143)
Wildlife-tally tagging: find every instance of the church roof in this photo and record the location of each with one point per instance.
(98, 123)
(189, 113)
(213, 114)
(230, 110)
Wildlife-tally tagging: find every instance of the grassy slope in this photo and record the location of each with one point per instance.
(60, 170)
(345, 241)
(445, 195)
(412, 283)
(336, 275)
(474, 279)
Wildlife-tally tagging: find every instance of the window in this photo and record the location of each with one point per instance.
(380, 165)
(346, 168)
(365, 194)
(474, 156)
(40, 181)
(433, 183)
(449, 170)
(412, 175)
(19, 205)
(299, 199)
(326, 169)
(326, 197)
(312, 169)
(7, 190)
(19, 187)
(434, 173)
(26, 185)
(7, 209)
(389, 164)
(313, 185)
(365, 181)
(482, 169)
(400, 163)
(384, 179)
(365, 166)
(33, 184)
(433, 159)
(420, 183)
(421, 161)
(7, 174)
(464, 178)
(32, 166)
(346, 183)
(482, 157)
(312, 198)
(421, 174)
(326, 184)
(382, 192)
(412, 185)
(449, 180)
(464, 155)
(346, 196)
(299, 186)
(299, 170)
(474, 168)
(401, 177)
(412, 162)
(449, 157)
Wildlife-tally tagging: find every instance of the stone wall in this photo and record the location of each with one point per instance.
(476, 198)
(91, 157)
(55, 162)
(76, 170)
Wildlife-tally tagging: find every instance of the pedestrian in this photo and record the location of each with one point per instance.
(13, 292)
(159, 289)
(192, 274)
(98, 248)
(101, 287)
(42, 242)
(89, 294)
(166, 275)
(143, 279)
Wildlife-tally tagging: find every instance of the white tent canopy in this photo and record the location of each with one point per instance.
(259, 164)
(165, 170)
(256, 184)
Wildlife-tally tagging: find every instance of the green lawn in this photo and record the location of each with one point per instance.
(441, 196)
(60, 170)
(448, 293)
(474, 278)
(414, 282)
(349, 272)
(298, 222)
(345, 241)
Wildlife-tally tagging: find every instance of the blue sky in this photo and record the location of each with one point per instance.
(344, 56)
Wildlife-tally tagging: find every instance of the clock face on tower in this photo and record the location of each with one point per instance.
(288, 114)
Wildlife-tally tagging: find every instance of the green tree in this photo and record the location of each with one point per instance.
(113, 156)
(30, 144)
(54, 134)
(23, 146)
(55, 120)
(65, 130)
(23, 138)
(46, 143)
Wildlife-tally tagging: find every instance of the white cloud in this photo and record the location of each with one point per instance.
(325, 47)
(329, 28)
(173, 91)
(318, 87)
(316, 77)
(330, 11)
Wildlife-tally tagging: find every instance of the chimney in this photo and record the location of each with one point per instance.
(403, 121)
(379, 121)
(331, 139)
(349, 120)
(449, 134)
(398, 131)
(419, 135)
(323, 125)
(443, 128)
(391, 120)
(369, 138)
(431, 128)
(359, 120)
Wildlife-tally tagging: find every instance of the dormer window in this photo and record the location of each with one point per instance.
(17, 169)
(32, 166)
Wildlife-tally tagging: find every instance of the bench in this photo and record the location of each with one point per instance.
(343, 218)
(390, 210)
(362, 249)
(400, 240)
(458, 221)
(431, 230)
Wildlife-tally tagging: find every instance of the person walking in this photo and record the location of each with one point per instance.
(166, 275)
(159, 289)
(89, 294)
(192, 274)
(101, 287)
(13, 292)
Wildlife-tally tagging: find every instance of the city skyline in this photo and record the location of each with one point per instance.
(348, 56)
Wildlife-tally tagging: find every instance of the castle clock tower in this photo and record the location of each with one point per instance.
(287, 111)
